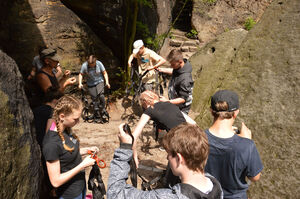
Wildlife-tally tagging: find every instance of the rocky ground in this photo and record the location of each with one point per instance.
(104, 136)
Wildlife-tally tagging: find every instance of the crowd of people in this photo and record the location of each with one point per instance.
(211, 163)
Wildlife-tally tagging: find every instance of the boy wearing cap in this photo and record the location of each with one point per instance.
(181, 84)
(183, 143)
(147, 60)
(46, 78)
(232, 157)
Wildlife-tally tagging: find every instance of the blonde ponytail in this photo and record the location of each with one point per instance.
(66, 105)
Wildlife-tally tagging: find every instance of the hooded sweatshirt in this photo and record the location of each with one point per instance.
(181, 86)
(118, 189)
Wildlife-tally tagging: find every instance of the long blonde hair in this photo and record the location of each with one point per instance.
(66, 105)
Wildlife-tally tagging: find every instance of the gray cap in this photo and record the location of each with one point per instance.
(228, 96)
(50, 54)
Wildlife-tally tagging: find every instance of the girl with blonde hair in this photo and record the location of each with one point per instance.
(62, 153)
(165, 114)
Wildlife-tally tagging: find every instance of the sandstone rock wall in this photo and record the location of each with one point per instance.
(265, 72)
(19, 151)
(211, 18)
(28, 24)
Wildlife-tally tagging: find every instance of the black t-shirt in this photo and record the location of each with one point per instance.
(166, 115)
(230, 161)
(54, 150)
(41, 116)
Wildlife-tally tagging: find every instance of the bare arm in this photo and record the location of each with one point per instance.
(106, 79)
(43, 81)
(245, 132)
(32, 73)
(172, 101)
(160, 62)
(66, 81)
(57, 178)
(188, 119)
(255, 178)
(80, 76)
(137, 132)
(130, 60)
(59, 72)
(168, 71)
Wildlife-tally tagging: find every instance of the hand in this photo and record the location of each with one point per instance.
(71, 81)
(88, 161)
(93, 149)
(163, 99)
(124, 137)
(80, 86)
(108, 85)
(67, 73)
(245, 132)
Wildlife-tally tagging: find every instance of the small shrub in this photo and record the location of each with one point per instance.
(249, 23)
(193, 34)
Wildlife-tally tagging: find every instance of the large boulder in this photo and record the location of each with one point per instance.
(213, 17)
(265, 72)
(19, 151)
(25, 25)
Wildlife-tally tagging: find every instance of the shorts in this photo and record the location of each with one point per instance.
(96, 90)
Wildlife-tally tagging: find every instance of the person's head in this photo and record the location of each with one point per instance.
(148, 98)
(49, 57)
(189, 142)
(66, 114)
(52, 95)
(138, 47)
(224, 104)
(92, 60)
(175, 58)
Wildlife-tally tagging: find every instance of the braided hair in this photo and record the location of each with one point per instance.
(66, 105)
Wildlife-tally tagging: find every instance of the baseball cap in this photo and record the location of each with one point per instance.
(228, 96)
(137, 45)
(50, 53)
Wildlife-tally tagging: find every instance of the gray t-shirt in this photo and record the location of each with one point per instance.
(94, 74)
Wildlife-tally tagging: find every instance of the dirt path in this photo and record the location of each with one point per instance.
(104, 136)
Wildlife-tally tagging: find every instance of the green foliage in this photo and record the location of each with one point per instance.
(193, 34)
(249, 23)
(142, 29)
(152, 41)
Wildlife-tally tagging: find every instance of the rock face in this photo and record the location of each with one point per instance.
(19, 151)
(212, 17)
(264, 70)
(28, 24)
(106, 18)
